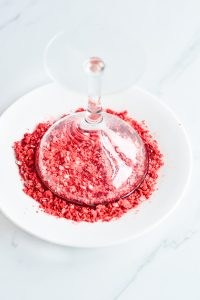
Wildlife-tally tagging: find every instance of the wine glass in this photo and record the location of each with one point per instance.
(90, 157)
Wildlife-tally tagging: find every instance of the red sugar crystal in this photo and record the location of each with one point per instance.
(25, 151)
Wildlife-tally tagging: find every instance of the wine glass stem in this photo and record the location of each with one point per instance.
(94, 109)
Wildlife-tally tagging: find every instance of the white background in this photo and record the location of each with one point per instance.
(165, 264)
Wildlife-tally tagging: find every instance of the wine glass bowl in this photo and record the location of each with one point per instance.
(92, 166)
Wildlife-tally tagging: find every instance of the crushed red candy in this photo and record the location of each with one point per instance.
(25, 152)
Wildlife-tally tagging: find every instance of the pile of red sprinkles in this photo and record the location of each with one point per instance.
(25, 151)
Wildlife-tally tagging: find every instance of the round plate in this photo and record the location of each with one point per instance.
(51, 101)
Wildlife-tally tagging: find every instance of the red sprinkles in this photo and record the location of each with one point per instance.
(25, 152)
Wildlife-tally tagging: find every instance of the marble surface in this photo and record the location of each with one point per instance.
(165, 264)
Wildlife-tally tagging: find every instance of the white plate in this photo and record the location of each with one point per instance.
(50, 101)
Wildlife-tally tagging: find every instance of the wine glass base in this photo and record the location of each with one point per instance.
(66, 54)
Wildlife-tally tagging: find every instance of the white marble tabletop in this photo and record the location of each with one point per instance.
(165, 263)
